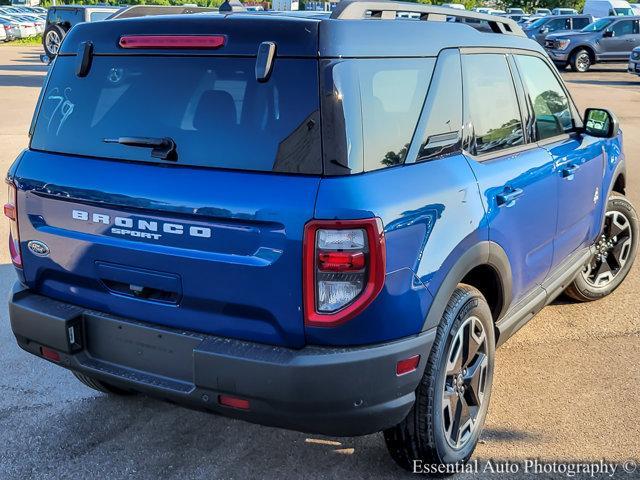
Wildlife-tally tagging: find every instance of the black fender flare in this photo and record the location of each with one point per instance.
(483, 253)
(621, 169)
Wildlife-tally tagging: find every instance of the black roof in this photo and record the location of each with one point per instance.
(314, 34)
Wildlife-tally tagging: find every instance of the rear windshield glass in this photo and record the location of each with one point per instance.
(213, 108)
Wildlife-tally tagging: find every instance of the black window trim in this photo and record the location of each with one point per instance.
(468, 124)
(420, 128)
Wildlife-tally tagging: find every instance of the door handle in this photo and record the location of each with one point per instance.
(569, 171)
(509, 196)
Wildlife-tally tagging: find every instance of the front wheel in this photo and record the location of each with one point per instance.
(580, 61)
(615, 252)
(452, 398)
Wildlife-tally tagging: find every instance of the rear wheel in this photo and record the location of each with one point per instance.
(100, 385)
(580, 61)
(615, 252)
(452, 398)
(51, 40)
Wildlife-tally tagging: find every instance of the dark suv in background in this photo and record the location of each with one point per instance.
(609, 39)
(61, 19)
(539, 29)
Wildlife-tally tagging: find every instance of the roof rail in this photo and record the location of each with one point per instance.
(388, 10)
(153, 10)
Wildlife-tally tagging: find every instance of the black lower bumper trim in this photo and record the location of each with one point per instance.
(332, 391)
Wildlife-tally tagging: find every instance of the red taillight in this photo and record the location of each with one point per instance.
(344, 269)
(172, 41)
(7, 27)
(11, 212)
(50, 354)
(233, 402)
(407, 365)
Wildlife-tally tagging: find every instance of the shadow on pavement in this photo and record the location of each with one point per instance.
(633, 83)
(21, 80)
(24, 68)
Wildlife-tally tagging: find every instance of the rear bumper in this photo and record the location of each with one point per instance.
(332, 391)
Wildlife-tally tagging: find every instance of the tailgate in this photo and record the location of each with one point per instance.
(198, 249)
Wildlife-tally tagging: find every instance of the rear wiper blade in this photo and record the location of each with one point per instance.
(164, 148)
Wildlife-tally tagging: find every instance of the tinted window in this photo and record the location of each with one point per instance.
(392, 97)
(624, 27)
(96, 16)
(558, 24)
(213, 108)
(370, 111)
(66, 16)
(579, 23)
(443, 109)
(550, 103)
(491, 103)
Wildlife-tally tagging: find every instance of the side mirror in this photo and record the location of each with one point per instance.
(600, 123)
(608, 34)
(544, 30)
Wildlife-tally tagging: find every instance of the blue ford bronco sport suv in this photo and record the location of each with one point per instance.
(266, 217)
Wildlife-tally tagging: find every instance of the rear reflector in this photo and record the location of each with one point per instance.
(172, 41)
(50, 354)
(10, 211)
(233, 402)
(407, 365)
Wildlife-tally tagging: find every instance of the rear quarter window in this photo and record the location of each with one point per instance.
(371, 107)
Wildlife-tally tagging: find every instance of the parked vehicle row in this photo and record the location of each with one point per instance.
(21, 22)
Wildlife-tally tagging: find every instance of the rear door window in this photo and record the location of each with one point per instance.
(580, 23)
(558, 24)
(491, 103)
(213, 108)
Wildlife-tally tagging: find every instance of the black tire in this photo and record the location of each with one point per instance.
(51, 35)
(101, 386)
(580, 61)
(619, 252)
(421, 435)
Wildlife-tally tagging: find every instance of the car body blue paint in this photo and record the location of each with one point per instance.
(243, 282)
(525, 229)
(433, 212)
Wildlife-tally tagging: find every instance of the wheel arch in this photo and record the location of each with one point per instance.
(588, 48)
(484, 266)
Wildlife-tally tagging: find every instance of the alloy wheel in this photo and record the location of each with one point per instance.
(612, 250)
(583, 62)
(465, 381)
(53, 42)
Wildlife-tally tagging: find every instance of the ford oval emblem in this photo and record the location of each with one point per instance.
(38, 248)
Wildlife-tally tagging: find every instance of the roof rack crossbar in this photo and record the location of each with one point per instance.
(387, 10)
